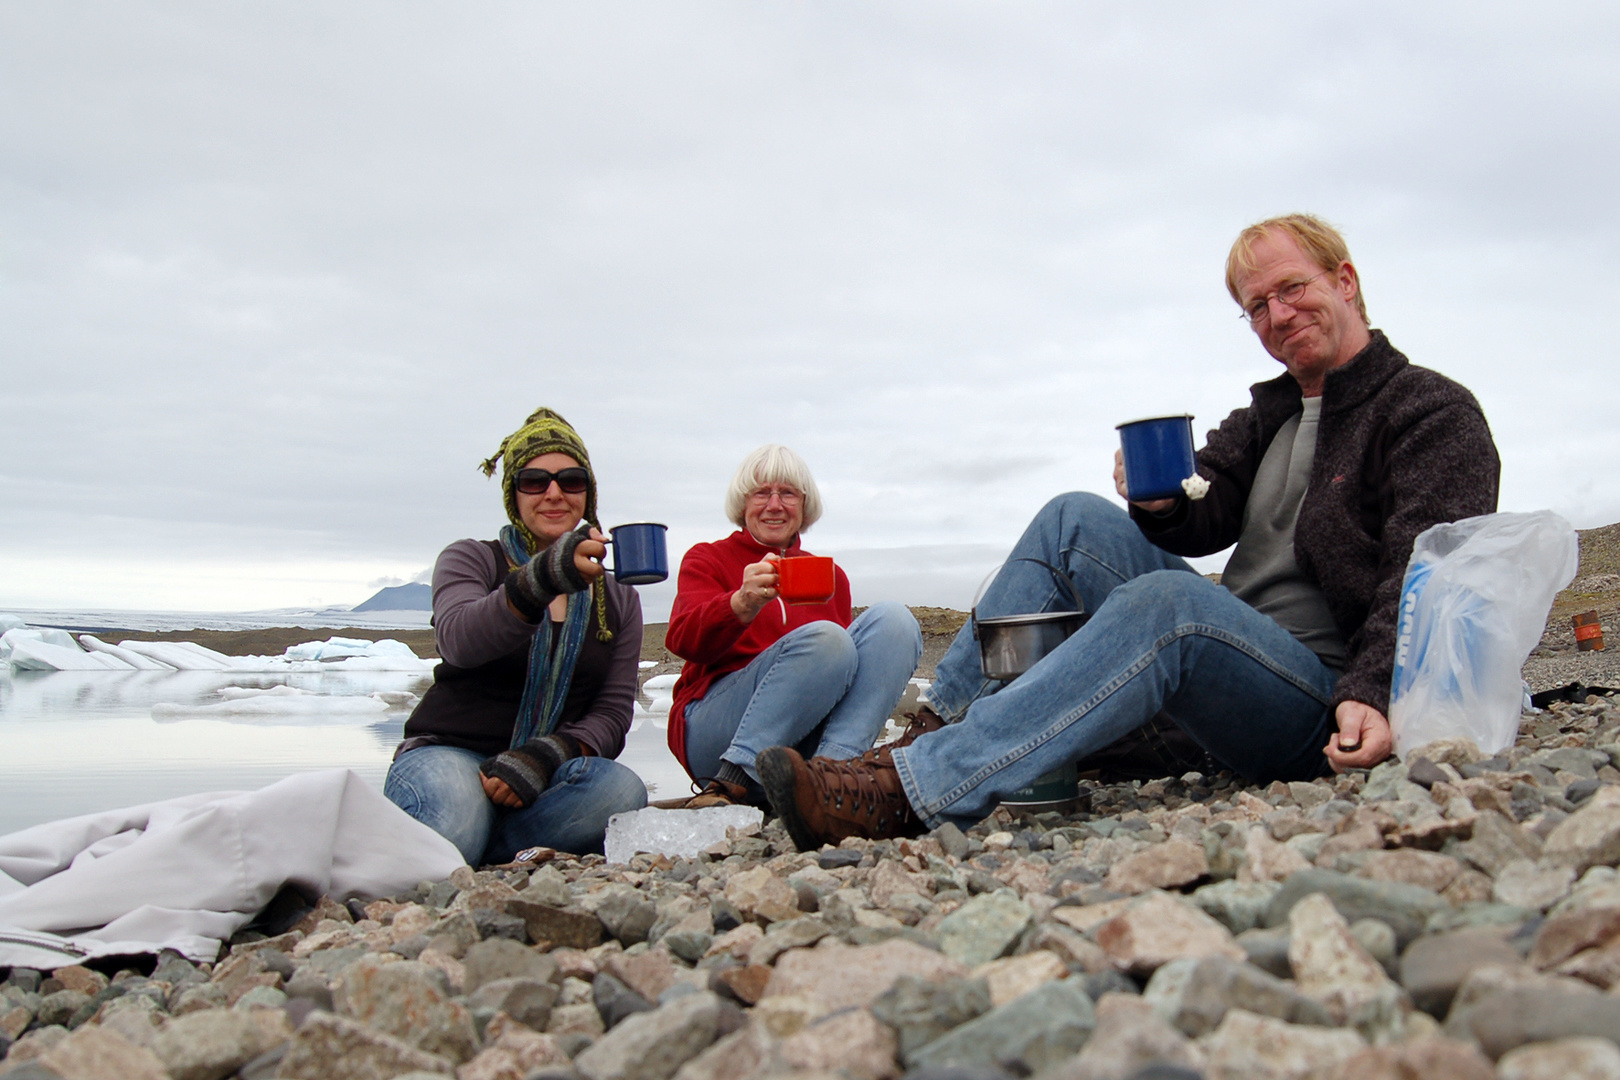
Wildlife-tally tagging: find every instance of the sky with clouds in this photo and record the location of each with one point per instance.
(275, 278)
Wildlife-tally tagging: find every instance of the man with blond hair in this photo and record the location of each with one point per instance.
(1280, 672)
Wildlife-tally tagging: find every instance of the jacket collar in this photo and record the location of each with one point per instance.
(1345, 387)
(759, 550)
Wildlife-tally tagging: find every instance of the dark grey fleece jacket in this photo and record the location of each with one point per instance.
(1400, 448)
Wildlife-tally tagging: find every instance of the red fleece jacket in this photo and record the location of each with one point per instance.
(706, 633)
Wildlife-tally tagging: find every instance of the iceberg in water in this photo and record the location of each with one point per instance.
(279, 701)
(660, 691)
(34, 648)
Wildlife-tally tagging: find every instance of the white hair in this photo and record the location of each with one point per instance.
(773, 464)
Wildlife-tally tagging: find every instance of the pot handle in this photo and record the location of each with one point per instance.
(1058, 577)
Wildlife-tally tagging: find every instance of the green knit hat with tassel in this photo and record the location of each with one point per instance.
(545, 432)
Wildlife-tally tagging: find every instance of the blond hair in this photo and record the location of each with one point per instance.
(773, 464)
(1320, 242)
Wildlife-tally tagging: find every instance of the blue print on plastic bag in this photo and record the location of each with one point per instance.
(1473, 603)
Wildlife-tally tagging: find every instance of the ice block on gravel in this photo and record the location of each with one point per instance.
(676, 833)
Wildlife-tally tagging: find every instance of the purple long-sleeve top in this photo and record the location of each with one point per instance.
(484, 643)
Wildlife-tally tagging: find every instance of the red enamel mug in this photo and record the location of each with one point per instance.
(806, 579)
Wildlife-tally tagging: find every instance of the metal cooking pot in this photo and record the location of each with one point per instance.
(1009, 645)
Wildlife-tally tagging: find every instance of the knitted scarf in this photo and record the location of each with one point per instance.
(545, 687)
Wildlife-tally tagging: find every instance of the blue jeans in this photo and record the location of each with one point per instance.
(439, 786)
(819, 687)
(1161, 638)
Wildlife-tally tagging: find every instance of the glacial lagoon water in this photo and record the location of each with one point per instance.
(76, 742)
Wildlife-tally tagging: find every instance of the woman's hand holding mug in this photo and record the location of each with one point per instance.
(589, 554)
(758, 589)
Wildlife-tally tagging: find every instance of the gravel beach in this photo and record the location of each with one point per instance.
(1444, 916)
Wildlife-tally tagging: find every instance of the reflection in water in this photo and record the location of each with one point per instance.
(76, 742)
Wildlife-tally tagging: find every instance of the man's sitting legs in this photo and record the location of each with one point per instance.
(1091, 540)
(1168, 640)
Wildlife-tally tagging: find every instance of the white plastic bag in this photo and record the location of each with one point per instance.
(1473, 604)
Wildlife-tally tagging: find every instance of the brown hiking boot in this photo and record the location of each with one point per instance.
(719, 793)
(821, 801)
(919, 723)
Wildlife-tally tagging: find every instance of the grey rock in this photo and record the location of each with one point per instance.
(1130, 1036)
(782, 936)
(1160, 1071)
(332, 962)
(308, 982)
(265, 1065)
(32, 1070)
(1037, 1030)
(260, 997)
(1405, 908)
(327, 1046)
(1108, 982)
(837, 857)
(175, 970)
(1238, 905)
(957, 1072)
(951, 839)
(503, 958)
(1476, 915)
(1268, 950)
(60, 1007)
(198, 996)
(1378, 939)
(1496, 842)
(1194, 995)
(690, 945)
(1562, 1059)
(209, 1045)
(1433, 967)
(1570, 759)
(921, 1011)
(28, 980)
(1425, 773)
(615, 1001)
(526, 1000)
(498, 924)
(985, 928)
(1515, 1017)
(652, 1045)
(547, 886)
(556, 927)
(625, 913)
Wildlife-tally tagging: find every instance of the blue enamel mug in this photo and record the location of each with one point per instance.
(640, 556)
(1158, 454)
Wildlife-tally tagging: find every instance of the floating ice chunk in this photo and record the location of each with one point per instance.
(9, 621)
(35, 655)
(185, 655)
(49, 636)
(676, 833)
(338, 648)
(660, 691)
(273, 701)
(135, 660)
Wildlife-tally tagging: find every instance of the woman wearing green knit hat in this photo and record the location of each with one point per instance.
(512, 745)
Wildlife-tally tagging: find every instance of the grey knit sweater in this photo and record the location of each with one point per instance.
(1400, 448)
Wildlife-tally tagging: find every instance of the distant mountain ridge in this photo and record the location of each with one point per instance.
(413, 597)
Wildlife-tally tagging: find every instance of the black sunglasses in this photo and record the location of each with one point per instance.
(572, 480)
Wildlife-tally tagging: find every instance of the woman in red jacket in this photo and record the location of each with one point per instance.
(760, 673)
